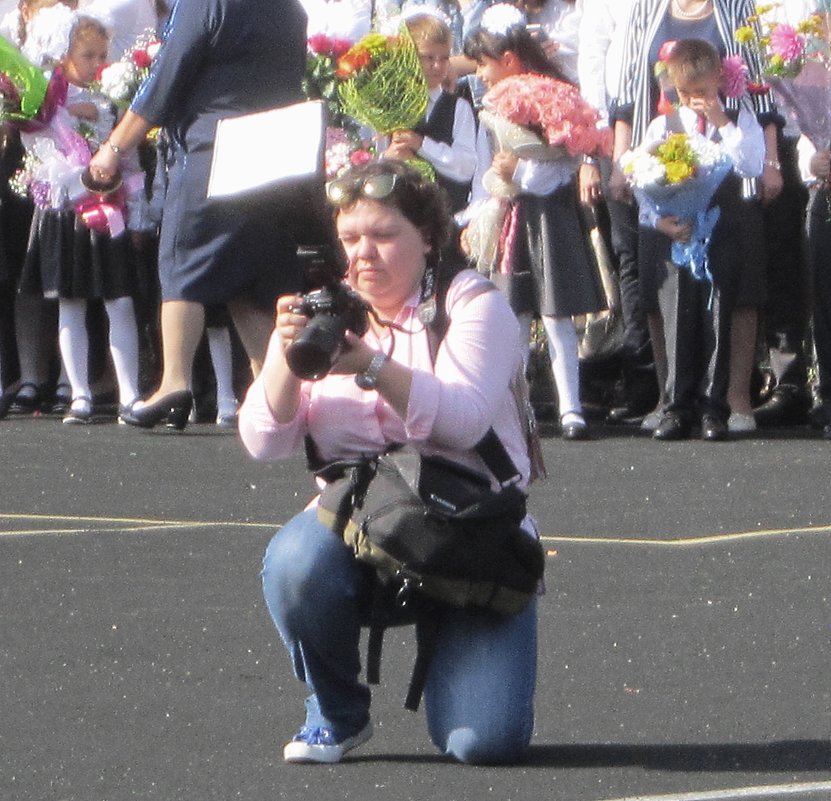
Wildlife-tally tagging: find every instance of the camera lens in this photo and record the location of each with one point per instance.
(312, 354)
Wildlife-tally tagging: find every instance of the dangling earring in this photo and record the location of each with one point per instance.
(427, 304)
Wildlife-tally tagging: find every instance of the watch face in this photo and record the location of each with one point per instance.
(365, 381)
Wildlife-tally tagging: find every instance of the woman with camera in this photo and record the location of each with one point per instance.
(386, 387)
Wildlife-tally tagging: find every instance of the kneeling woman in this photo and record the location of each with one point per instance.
(384, 388)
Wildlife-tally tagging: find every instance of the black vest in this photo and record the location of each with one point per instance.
(440, 128)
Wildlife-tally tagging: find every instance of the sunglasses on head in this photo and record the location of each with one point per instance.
(343, 191)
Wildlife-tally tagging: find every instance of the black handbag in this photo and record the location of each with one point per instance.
(430, 526)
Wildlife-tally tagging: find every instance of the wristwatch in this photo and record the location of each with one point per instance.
(369, 378)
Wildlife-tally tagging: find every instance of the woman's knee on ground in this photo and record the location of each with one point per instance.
(496, 747)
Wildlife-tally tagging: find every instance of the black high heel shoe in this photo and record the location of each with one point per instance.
(173, 409)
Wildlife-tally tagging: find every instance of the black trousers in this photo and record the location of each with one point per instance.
(696, 317)
(785, 316)
(819, 242)
(637, 348)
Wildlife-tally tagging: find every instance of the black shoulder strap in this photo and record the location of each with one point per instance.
(490, 447)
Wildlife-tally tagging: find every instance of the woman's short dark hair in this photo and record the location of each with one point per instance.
(422, 201)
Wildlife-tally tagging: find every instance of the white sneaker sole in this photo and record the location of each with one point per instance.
(296, 751)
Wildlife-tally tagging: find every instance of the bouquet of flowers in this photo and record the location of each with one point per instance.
(533, 117)
(382, 83)
(806, 99)
(320, 81)
(679, 178)
(782, 49)
(120, 80)
(345, 146)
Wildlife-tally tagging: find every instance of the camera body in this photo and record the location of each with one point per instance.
(332, 311)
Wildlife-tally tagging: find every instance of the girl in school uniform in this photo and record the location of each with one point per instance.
(70, 261)
(552, 273)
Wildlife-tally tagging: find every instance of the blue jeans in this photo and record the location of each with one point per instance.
(479, 692)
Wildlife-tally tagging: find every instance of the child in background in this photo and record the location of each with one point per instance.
(446, 137)
(552, 273)
(70, 262)
(815, 167)
(696, 314)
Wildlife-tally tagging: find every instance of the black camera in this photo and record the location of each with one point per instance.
(332, 311)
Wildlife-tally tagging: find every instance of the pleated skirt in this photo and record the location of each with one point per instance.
(552, 267)
(64, 259)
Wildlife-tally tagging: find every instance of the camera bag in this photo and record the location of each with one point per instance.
(436, 535)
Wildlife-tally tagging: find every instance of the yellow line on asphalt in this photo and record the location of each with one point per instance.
(136, 524)
(676, 542)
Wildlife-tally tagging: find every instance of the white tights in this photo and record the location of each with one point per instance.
(565, 364)
(219, 345)
(74, 344)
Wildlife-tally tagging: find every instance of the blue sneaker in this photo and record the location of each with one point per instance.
(316, 744)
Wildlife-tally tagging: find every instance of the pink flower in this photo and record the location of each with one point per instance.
(553, 108)
(360, 157)
(666, 50)
(339, 47)
(786, 43)
(320, 44)
(734, 76)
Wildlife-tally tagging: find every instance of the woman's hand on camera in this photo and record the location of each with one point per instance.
(289, 322)
(354, 357)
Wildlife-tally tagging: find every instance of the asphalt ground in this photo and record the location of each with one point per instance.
(684, 637)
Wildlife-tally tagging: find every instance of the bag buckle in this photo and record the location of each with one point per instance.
(409, 584)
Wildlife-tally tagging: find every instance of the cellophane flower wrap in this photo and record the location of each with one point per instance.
(534, 117)
(805, 96)
(22, 84)
(679, 178)
(58, 151)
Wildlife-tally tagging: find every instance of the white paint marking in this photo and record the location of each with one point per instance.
(741, 793)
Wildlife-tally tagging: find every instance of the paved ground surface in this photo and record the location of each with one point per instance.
(684, 639)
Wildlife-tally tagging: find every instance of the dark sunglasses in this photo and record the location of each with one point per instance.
(343, 191)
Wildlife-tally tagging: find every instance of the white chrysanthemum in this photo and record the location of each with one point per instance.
(118, 80)
(643, 168)
(499, 19)
(707, 152)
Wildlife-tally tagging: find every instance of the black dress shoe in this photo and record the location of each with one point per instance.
(629, 413)
(787, 406)
(672, 427)
(713, 429)
(173, 409)
(27, 400)
(575, 430)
